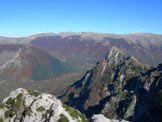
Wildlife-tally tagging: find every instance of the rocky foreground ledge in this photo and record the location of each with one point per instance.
(31, 106)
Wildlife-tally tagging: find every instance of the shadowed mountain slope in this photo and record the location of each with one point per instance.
(120, 87)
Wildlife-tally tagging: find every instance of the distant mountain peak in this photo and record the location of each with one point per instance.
(30, 62)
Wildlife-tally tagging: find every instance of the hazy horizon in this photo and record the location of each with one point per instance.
(28, 17)
(129, 33)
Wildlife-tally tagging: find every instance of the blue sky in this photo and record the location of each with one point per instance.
(26, 17)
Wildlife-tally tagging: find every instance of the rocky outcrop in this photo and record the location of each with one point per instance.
(102, 118)
(119, 87)
(31, 106)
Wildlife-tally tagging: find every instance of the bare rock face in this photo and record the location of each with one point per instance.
(102, 118)
(119, 87)
(31, 106)
(115, 56)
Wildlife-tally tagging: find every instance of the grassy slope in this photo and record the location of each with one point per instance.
(54, 68)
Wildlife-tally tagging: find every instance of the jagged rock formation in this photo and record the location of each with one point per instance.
(149, 96)
(120, 87)
(31, 106)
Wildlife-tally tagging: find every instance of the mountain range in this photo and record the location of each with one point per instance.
(86, 48)
(123, 79)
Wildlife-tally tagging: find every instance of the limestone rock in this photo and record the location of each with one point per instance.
(102, 118)
(31, 106)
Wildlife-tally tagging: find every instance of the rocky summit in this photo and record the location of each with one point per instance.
(119, 87)
(24, 105)
(31, 106)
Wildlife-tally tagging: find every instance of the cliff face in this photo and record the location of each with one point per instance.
(31, 106)
(149, 103)
(120, 87)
